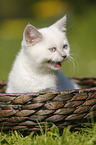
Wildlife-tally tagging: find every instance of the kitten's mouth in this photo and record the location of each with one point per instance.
(55, 65)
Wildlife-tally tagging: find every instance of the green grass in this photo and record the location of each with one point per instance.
(83, 137)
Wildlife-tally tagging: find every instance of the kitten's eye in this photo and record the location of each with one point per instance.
(65, 46)
(53, 49)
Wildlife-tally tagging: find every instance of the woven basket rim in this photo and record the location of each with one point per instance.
(54, 92)
(69, 91)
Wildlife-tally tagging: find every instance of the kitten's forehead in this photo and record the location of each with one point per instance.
(53, 34)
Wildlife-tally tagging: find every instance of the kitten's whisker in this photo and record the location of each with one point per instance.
(74, 62)
(69, 28)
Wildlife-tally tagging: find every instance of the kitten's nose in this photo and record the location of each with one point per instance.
(64, 56)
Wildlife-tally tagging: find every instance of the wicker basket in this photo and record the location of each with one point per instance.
(26, 112)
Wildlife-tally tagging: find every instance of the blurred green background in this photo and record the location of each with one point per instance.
(81, 31)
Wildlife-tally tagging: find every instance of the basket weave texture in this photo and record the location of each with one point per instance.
(23, 111)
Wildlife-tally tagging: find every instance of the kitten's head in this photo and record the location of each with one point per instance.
(47, 47)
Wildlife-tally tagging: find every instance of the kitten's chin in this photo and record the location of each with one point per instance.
(54, 65)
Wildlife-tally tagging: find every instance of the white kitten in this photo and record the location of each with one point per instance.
(36, 67)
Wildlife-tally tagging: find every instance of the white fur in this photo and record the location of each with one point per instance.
(31, 71)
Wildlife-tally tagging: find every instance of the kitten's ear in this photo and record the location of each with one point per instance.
(61, 24)
(32, 35)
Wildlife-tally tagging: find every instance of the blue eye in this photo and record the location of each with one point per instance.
(53, 49)
(65, 46)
